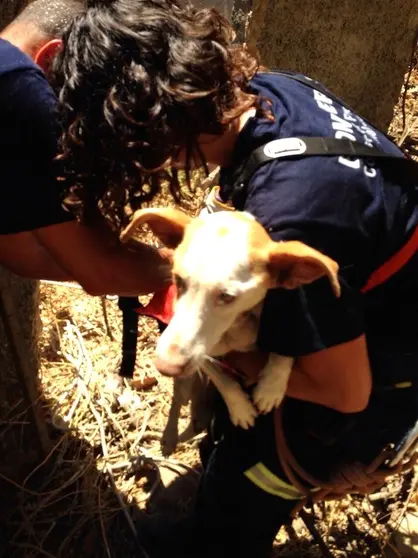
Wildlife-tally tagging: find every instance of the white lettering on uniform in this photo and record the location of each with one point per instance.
(370, 171)
(344, 129)
(321, 97)
(324, 102)
(340, 124)
(340, 134)
(352, 163)
(347, 115)
(328, 108)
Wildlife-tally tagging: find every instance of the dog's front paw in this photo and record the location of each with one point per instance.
(242, 412)
(267, 397)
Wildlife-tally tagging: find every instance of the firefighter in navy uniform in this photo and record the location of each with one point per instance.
(189, 96)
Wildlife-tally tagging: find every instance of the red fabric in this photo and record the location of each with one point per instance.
(394, 264)
(161, 305)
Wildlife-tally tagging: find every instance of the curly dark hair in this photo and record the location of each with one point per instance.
(138, 81)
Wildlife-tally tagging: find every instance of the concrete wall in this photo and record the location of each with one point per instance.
(360, 49)
(223, 6)
(236, 11)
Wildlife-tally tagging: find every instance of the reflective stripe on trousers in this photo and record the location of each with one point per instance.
(267, 481)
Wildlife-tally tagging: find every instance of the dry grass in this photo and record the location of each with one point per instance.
(106, 464)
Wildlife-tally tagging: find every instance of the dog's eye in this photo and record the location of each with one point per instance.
(181, 285)
(225, 298)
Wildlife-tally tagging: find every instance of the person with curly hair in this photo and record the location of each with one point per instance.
(150, 86)
(116, 155)
(39, 239)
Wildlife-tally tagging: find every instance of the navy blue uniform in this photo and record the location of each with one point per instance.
(30, 194)
(340, 207)
(348, 211)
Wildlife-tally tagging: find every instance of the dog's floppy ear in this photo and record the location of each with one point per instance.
(166, 223)
(292, 264)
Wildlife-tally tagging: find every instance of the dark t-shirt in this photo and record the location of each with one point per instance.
(30, 195)
(342, 208)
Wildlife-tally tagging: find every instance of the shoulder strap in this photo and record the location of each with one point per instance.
(402, 169)
(291, 148)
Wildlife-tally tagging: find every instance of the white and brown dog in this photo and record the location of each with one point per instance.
(224, 263)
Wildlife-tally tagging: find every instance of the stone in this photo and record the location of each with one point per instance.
(359, 49)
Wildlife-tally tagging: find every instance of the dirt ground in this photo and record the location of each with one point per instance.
(106, 468)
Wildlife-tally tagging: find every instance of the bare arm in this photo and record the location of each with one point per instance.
(338, 377)
(87, 255)
(22, 254)
(66, 251)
